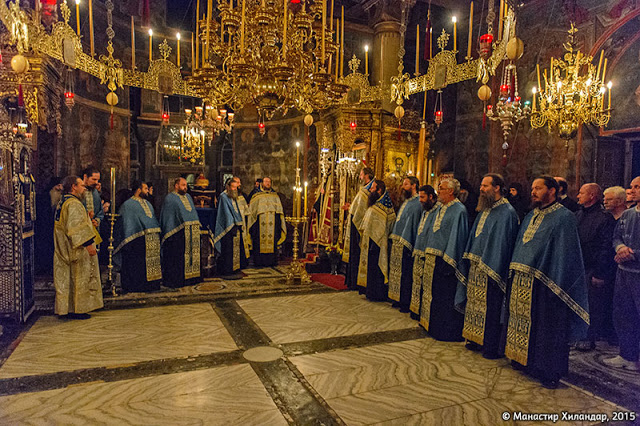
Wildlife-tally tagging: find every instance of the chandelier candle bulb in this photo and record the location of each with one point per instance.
(470, 42)
(178, 53)
(150, 45)
(366, 59)
(455, 33)
(77, 15)
(133, 45)
(417, 50)
(342, 45)
(91, 41)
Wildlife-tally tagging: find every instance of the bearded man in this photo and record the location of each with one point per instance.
(485, 265)
(403, 238)
(375, 229)
(229, 238)
(547, 294)
(267, 228)
(91, 197)
(137, 243)
(357, 209)
(180, 237)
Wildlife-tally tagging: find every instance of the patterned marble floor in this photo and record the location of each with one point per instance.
(111, 338)
(322, 316)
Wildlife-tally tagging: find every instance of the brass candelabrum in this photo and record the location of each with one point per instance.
(112, 221)
(297, 272)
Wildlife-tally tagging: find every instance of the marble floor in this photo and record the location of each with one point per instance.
(344, 361)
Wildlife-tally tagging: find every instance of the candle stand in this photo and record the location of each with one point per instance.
(297, 273)
(110, 280)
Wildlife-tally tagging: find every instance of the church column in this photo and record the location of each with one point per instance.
(386, 44)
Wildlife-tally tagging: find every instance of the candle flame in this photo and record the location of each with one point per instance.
(150, 32)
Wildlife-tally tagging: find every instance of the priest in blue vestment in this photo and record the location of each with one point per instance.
(446, 241)
(430, 205)
(402, 238)
(229, 239)
(357, 209)
(485, 265)
(180, 238)
(137, 243)
(547, 294)
(373, 273)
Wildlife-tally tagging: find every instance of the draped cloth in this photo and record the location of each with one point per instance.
(375, 228)
(76, 274)
(228, 239)
(356, 215)
(446, 241)
(403, 238)
(485, 264)
(548, 292)
(426, 222)
(137, 243)
(180, 240)
(267, 227)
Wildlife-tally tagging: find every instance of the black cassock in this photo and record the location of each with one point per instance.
(406, 281)
(227, 263)
(376, 289)
(445, 322)
(133, 274)
(265, 259)
(173, 262)
(351, 278)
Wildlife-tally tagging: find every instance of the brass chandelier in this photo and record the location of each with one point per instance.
(570, 96)
(273, 54)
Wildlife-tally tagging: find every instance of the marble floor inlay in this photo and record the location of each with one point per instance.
(262, 354)
(119, 337)
(318, 316)
(223, 395)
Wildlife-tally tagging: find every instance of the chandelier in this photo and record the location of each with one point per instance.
(570, 96)
(221, 122)
(192, 137)
(273, 54)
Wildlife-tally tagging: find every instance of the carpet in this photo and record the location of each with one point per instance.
(333, 281)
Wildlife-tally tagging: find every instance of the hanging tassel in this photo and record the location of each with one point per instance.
(20, 96)
(111, 119)
(504, 159)
(399, 131)
(484, 119)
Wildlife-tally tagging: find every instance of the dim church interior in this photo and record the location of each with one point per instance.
(262, 349)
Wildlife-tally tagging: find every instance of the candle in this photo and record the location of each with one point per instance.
(599, 65)
(551, 72)
(604, 70)
(417, 50)
(324, 24)
(338, 51)
(342, 44)
(209, 7)
(113, 188)
(306, 184)
(133, 45)
(534, 98)
(470, 43)
(193, 57)
(178, 37)
(91, 43)
(331, 18)
(242, 23)
(197, 36)
(538, 72)
(609, 85)
(284, 31)
(150, 45)
(181, 141)
(455, 33)
(77, 15)
(501, 18)
(366, 59)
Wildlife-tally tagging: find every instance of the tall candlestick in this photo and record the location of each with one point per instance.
(470, 42)
(455, 33)
(91, 42)
(284, 31)
(342, 44)
(551, 72)
(338, 37)
(534, 97)
(366, 59)
(600, 65)
(331, 18)
(306, 184)
(77, 15)
(209, 7)
(242, 33)
(538, 72)
(178, 53)
(197, 36)
(604, 70)
(609, 85)
(133, 45)
(324, 24)
(417, 50)
(193, 57)
(150, 45)
(113, 188)
(500, 20)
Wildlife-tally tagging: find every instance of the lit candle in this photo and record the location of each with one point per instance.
(455, 33)
(470, 44)
(342, 45)
(91, 43)
(501, 18)
(306, 184)
(297, 155)
(133, 45)
(178, 37)
(538, 72)
(604, 70)
(77, 16)
(324, 24)
(417, 50)
(113, 188)
(150, 45)
(209, 7)
(609, 85)
(366, 59)
(284, 31)
(534, 98)
(242, 23)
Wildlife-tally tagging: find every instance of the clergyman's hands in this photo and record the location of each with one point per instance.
(624, 254)
(92, 250)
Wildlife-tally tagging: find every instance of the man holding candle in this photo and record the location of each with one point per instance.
(137, 243)
(267, 228)
(403, 237)
(373, 271)
(91, 197)
(180, 238)
(357, 208)
(229, 238)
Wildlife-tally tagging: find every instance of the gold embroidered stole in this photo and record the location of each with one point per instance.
(536, 221)
(144, 205)
(395, 270)
(236, 251)
(192, 250)
(152, 251)
(476, 309)
(416, 287)
(267, 232)
(519, 327)
(485, 215)
(427, 286)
